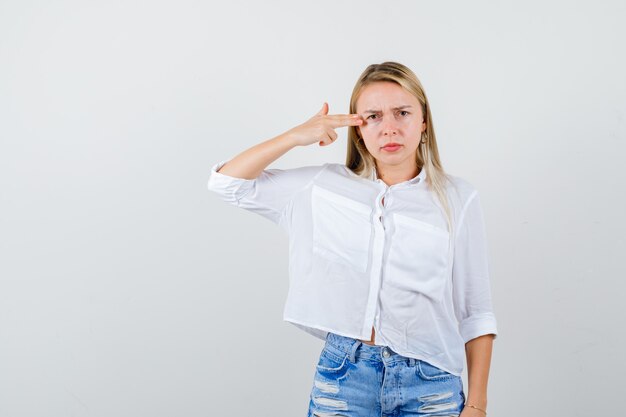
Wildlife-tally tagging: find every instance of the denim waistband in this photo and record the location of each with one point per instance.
(357, 349)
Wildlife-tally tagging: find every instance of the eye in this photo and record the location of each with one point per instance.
(404, 111)
(371, 115)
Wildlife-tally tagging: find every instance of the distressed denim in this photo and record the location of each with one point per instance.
(356, 379)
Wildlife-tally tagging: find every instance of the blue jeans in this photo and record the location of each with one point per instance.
(356, 379)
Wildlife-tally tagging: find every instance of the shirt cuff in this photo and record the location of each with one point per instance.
(230, 188)
(480, 325)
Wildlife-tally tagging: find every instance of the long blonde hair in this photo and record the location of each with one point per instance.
(361, 162)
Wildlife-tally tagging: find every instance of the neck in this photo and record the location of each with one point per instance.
(395, 174)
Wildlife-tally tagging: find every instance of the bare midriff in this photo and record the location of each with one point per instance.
(371, 341)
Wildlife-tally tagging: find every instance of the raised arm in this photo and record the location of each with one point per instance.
(245, 181)
(319, 128)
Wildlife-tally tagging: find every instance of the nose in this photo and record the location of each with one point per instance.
(389, 128)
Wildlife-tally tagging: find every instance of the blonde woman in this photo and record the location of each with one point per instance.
(388, 255)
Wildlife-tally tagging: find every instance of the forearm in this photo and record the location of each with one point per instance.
(250, 163)
(478, 351)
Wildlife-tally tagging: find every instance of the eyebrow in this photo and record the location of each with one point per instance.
(406, 106)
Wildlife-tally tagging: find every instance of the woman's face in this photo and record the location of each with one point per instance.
(390, 115)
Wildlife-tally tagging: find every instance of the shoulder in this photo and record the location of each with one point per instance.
(336, 168)
(460, 189)
(461, 184)
(343, 170)
(307, 171)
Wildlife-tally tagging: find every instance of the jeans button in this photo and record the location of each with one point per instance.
(385, 353)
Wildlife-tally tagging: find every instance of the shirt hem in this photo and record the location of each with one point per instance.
(311, 329)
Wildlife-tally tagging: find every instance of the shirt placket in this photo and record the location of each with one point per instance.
(378, 251)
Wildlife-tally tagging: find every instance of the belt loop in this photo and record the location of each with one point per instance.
(412, 361)
(355, 346)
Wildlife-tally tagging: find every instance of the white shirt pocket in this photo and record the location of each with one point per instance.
(418, 257)
(341, 228)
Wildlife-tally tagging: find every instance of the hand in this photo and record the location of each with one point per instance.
(320, 127)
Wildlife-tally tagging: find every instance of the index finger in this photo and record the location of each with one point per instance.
(339, 120)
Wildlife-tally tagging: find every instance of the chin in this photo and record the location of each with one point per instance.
(392, 155)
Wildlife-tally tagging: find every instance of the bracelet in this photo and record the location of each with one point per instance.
(473, 406)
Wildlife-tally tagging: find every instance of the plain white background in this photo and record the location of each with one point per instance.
(127, 289)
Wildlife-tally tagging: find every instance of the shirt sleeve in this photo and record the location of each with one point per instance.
(470, 274)
(267, 195)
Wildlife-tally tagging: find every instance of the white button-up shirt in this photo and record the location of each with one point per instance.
(357, 261)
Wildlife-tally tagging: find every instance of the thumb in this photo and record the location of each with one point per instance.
(324, 110)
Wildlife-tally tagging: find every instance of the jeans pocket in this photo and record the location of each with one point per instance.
(431, 372)
(332, 362)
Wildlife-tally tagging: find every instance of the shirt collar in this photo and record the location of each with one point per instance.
(415, 180)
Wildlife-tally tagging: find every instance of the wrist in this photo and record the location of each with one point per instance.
(479, 410)
(478, 402)
(289, 138)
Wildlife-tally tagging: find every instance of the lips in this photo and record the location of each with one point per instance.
(390, 147)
